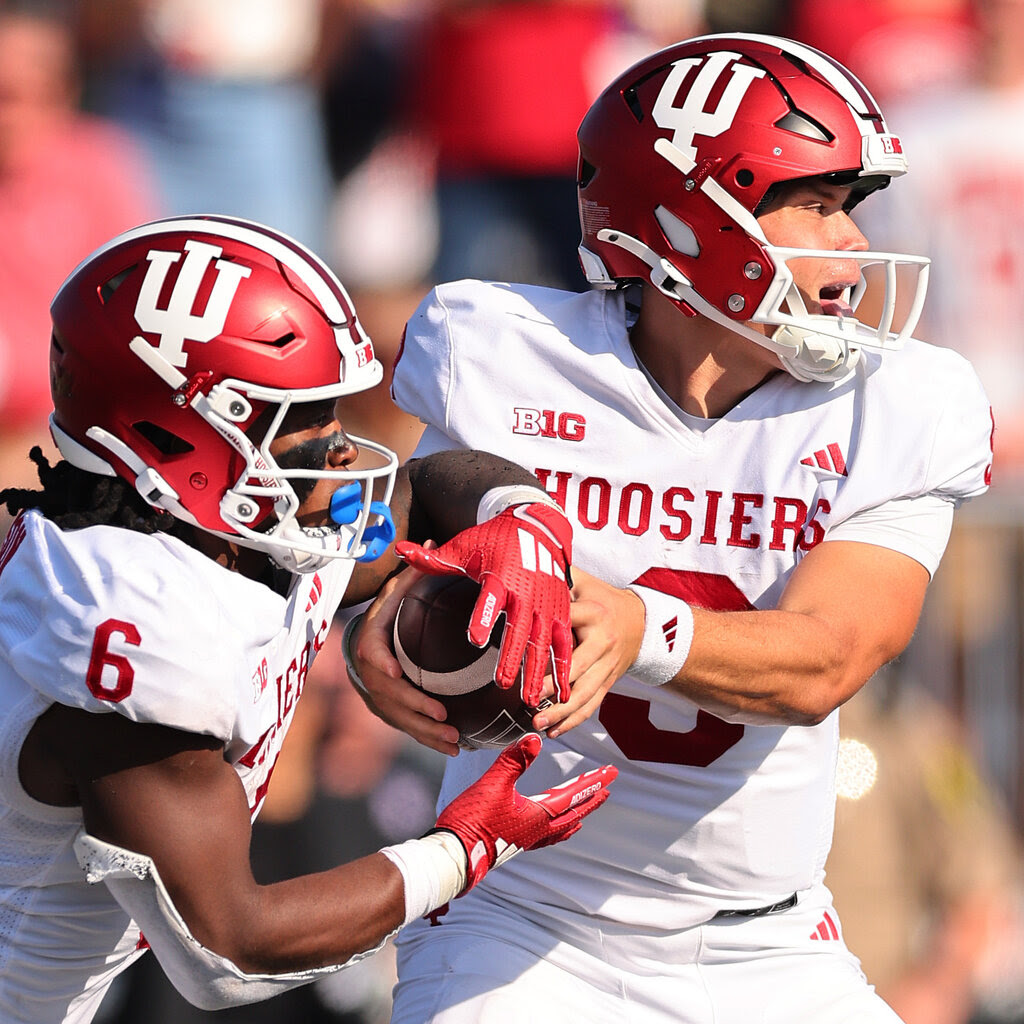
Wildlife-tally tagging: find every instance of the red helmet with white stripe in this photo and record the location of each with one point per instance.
(179, 346)
(678, 153)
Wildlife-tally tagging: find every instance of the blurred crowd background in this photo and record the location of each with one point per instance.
(413, 141)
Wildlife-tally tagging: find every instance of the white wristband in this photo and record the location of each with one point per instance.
(497, 499)
(668, 633)
(434, 871)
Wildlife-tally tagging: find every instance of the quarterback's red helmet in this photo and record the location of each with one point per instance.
(177, 349)
(679, 151)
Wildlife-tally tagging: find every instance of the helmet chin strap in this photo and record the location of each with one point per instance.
(804, 354)
(819, 357)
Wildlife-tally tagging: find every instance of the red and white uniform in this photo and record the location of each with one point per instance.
(706, 816)
(117, 622)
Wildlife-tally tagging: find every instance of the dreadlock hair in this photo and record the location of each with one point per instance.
(73, 498)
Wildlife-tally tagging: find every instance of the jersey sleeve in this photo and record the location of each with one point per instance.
(425, 368)
(912, 471)
(471, 347)
(431, 442)
(110, 621)
(917, 527)
(960, 466)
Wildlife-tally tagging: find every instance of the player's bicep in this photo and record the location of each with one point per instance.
(169, 795)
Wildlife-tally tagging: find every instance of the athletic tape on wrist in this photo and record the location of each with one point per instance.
(433, 869)
(497, 499)
(668, 633)
(346, 652)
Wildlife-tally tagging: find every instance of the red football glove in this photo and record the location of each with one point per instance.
(495, 822)
(521, 560)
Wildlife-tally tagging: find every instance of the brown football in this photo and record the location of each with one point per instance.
(435, 654)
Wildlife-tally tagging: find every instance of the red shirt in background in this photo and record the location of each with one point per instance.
(77, 185)
(503, 87)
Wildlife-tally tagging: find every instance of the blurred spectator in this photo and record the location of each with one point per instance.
(68, 181)
(925, 866)
(498, 89)
(223, 97)
(363, 75)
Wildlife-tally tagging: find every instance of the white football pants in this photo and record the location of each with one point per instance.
(486, 962)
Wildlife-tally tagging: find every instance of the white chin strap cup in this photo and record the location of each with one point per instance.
(813, 357)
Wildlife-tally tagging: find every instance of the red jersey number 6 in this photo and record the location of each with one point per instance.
(628, 720)
(104, 661)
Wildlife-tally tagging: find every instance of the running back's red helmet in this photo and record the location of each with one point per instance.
(679, 151)
(177, 349)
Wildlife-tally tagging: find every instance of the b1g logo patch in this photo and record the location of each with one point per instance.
(180, 321)
(566, 426)
(690, 118)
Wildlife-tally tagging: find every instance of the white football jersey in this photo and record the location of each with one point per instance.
(118, 622)
(705, 814)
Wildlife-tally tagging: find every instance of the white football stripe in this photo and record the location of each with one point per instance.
(463, 680)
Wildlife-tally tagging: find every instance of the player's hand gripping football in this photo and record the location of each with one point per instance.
(521, 560)
(494, 822)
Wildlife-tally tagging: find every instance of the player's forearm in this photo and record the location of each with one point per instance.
(847, 610)
(316, 920)
(187, 816)
(236, 942)
(772, 666)
(757, 666)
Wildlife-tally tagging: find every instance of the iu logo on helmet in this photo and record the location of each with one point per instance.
(691, 118)
(180, 322)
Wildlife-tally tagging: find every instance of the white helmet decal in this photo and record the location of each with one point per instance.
(692, 118)
(179, 321)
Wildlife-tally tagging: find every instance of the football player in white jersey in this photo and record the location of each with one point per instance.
(762, 483)
(162, 598)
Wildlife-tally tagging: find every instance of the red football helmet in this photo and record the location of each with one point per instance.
(677, 153)
(172, 340)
